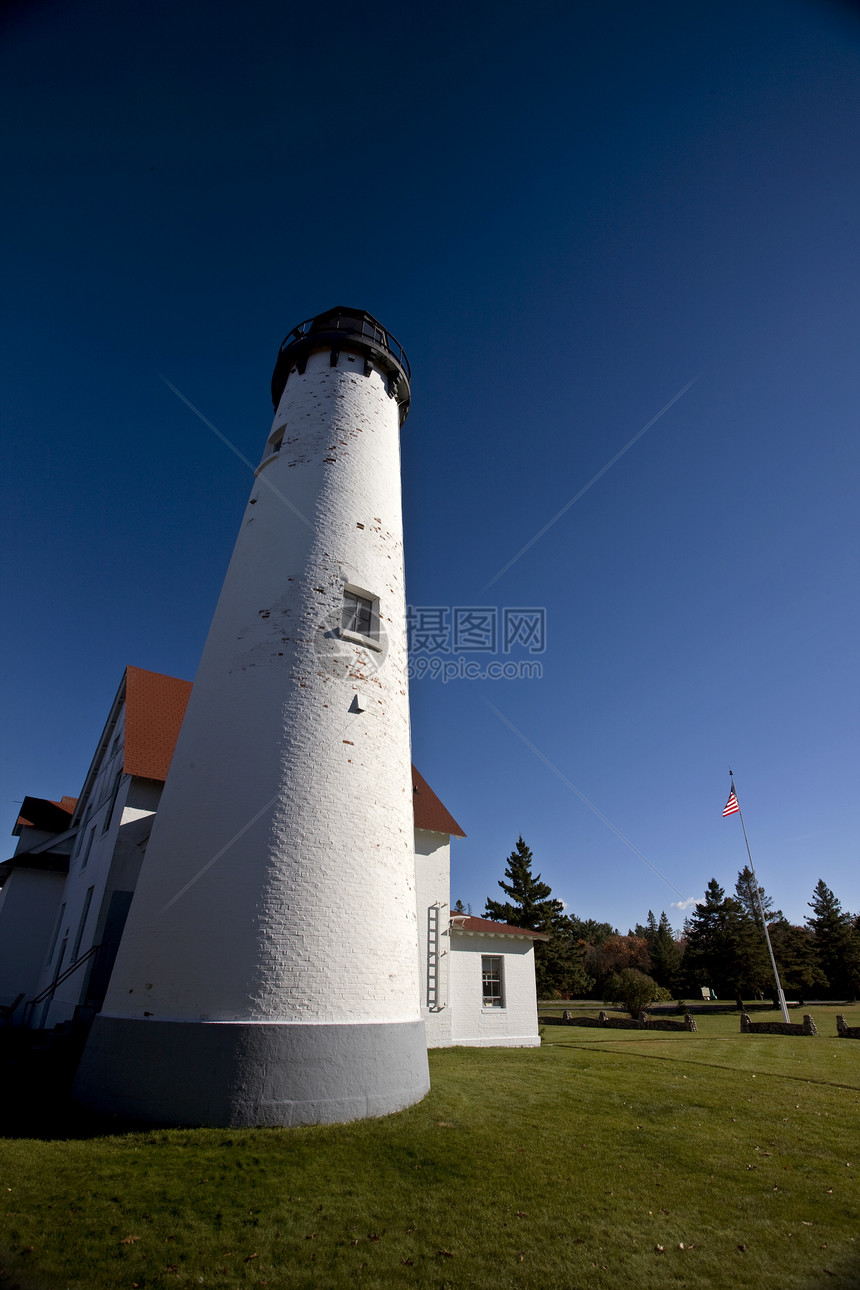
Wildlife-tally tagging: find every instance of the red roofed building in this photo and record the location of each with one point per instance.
(68, 888)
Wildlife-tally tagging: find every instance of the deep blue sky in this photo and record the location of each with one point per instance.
(566, 212)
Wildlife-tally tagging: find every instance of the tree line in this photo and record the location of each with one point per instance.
(721, 945)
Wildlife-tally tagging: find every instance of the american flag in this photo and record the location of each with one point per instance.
(731, 807)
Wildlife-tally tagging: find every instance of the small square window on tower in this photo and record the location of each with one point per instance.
(357, 613)
(493, 984)
(359, 619)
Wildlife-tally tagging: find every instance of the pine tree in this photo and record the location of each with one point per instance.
(590, 931)
(725, 949)
(558, 964)
(666, 956)
(837, 943)
(530, 903)
(647, 930)
(745, 891)
(794, 950)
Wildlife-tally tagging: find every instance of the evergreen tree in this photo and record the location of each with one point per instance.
(647, 930)
(794, 951)
(725, 949)
(666, 956)
(558, 963)
(530, 903)
(745, 891)
(837, 943)
(590, 931)
(705, 936)
(664, 951)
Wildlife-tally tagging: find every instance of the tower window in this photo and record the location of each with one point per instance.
(277, 439)
(359, 619)
(357, 614)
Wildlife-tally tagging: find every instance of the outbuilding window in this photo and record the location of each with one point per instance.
(493, 981)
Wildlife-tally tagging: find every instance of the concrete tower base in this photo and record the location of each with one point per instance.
(244, 1074)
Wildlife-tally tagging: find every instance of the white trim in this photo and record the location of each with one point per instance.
(357, 639)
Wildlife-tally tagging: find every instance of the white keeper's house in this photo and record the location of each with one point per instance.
(68, 888)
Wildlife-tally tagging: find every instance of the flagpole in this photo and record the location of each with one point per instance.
(782, 1002)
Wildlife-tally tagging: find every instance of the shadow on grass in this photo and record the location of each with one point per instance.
(38, 1071)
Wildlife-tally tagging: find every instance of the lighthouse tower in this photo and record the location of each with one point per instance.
(268, 973)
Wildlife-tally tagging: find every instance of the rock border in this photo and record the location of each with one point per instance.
(750, 1027)
(603, 1020)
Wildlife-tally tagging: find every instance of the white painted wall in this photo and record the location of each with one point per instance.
(29, 905)
(101, 806)
(433, 895)
(113, 864)
(515, 1025)
(30, 838)
(105, 859)
(280, 875)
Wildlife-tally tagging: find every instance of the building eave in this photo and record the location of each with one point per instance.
(469, 925)
(502, 936)
(47, 861)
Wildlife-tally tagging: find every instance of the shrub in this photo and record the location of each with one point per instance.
(633, 990)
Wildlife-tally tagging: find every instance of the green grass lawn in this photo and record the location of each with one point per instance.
(603, 1159)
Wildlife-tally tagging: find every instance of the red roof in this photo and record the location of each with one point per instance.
(45, 813)
(466, 923)
(429, 812)
(154, 708)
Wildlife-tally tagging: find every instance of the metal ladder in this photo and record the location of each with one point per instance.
(434, 956)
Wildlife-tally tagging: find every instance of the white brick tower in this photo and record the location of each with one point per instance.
(268, 973)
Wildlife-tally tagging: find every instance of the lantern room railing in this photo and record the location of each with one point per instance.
(351, 325)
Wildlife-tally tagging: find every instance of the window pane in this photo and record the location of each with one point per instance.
(491, 972)
(357, 614)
